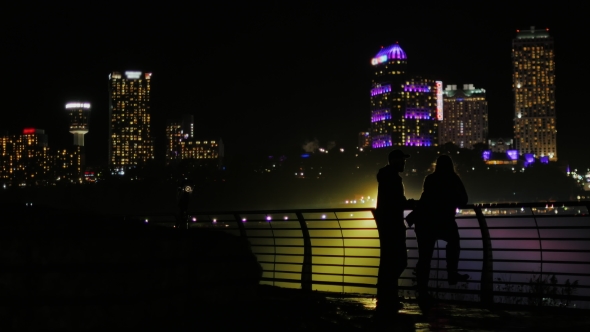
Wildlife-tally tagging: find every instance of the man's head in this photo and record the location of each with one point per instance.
(397, 159)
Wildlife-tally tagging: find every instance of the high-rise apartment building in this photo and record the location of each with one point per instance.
(130, 140)
(466, 116)
(404, 110)
(533, 62)
(24, 158)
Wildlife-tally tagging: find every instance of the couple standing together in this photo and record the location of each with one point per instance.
(442, 193)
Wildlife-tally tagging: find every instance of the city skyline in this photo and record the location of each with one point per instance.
(274, 80)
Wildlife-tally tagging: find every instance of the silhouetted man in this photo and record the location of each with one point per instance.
(389, 216)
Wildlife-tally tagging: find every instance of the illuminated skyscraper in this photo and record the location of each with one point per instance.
(176, 132)
(404, 111)
(79, 113)
(130, 140)
(533, 62)
(466, 116)
(182, 143)
(24, 158)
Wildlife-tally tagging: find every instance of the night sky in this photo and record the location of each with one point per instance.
(271, 76)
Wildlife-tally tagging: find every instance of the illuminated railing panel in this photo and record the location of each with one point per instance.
(503, 248)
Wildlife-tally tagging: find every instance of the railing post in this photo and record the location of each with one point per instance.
(306, 267)
(240, 225)
(487, 269)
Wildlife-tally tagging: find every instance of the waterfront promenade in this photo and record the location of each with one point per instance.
(280, 270)
(294, 310)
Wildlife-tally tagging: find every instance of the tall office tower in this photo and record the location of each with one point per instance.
(404, 110)
(79, 113)
(130, 140)
(533, 62)
(466, 116)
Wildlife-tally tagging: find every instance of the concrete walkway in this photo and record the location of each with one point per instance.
(293, 310)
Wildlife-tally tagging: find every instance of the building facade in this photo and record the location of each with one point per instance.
(176, 132)
(130, 139)
(533, 61)
(500, 145)
(27, 160)
(182, 144)
(364, 140)
(466, 116)
(24, 158)
(404, 110)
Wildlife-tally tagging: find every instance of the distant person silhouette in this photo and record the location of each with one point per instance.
(389, 216)
(443, 191)
(185, 190)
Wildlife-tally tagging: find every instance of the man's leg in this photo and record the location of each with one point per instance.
(386, 282)
(393, 262)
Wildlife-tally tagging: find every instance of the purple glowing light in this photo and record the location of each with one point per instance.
(393, 52)
(416, 88)
(381, 141)
(380, 115)
(487, 154)
(380, 90)
(529, 159)
(418, 140)
(417, 113)
(544, 160)
(268, 218)
(512, 154)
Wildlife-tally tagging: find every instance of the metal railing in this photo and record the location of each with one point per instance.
(533, 253)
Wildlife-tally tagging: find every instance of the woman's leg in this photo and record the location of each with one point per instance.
(426, 241)
(450, 234)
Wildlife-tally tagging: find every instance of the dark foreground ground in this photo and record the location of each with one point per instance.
(288, 309)
(80, 272)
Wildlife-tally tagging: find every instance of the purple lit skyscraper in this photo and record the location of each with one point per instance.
(404, 110)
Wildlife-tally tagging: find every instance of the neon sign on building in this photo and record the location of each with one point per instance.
(439, 100)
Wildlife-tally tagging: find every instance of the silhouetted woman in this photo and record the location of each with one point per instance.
(443, 191)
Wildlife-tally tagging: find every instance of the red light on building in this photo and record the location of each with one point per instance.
(28, 131)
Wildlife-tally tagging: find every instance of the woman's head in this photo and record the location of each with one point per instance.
(444, 163)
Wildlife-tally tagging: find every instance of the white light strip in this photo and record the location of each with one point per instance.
(78, 105)
(133, 74)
